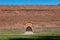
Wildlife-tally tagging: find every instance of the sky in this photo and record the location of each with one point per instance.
(29, 2)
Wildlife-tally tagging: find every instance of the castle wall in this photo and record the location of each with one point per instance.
(18, 17)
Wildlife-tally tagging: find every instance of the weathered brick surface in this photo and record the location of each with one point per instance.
(39, 16)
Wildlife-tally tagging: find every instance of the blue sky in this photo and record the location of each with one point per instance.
(29, 2)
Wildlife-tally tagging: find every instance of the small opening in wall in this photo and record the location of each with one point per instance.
(28, 29)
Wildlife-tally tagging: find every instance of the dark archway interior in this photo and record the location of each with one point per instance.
(28, 28)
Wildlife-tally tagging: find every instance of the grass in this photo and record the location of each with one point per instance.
(8, 35)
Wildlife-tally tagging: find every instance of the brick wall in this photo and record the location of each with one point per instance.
(39, 16)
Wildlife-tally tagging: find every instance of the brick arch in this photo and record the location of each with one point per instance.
(28, 25)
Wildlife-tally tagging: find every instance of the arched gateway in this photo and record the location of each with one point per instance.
(28, 28)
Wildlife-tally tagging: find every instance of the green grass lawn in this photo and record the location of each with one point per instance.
(6, 35)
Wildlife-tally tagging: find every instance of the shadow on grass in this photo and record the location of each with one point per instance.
(38, 38)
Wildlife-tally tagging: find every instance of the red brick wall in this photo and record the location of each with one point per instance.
(39, 16)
